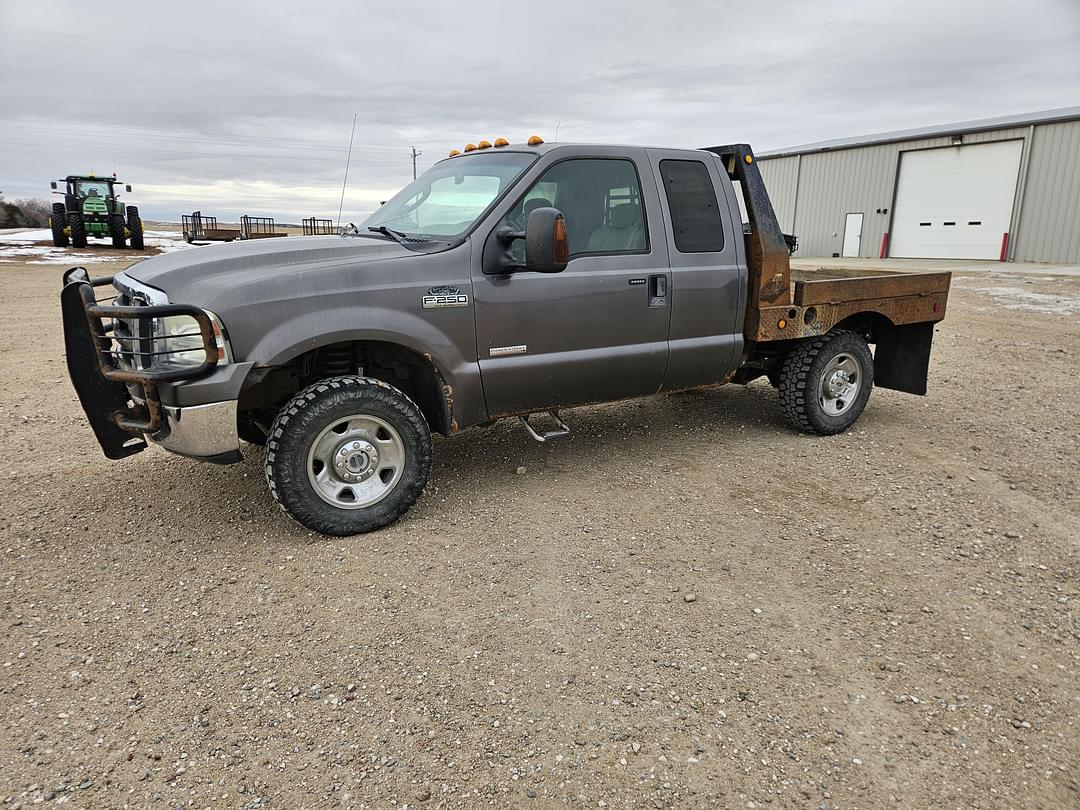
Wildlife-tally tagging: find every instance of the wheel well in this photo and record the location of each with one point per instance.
(413, 374)
(868, 324)
(766, 359)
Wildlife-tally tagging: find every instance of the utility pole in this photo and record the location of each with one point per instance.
(415, 154)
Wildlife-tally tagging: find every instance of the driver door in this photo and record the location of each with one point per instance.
(598, 330)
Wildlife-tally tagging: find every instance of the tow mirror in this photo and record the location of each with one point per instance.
(547, 249)
(52, 185)
(127, 188)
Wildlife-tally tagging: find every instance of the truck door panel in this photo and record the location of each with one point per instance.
(707, 277)
(598, 330)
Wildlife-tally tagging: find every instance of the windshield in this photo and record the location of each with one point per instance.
(449, 197)
(88, 188)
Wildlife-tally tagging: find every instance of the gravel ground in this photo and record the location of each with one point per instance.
(684, 605)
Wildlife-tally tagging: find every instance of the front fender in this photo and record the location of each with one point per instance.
(446, 338)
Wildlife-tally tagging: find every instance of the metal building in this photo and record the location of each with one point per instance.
(1004, 189)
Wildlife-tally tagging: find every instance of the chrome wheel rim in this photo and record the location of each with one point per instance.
(356, 461)
(840, 384)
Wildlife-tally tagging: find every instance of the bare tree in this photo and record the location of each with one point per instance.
(36, 212)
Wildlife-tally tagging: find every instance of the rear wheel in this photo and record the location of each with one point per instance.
(116, 230)
(134, 226)
(825, 382)
(78, 229)
(58, 222)
(348, 455)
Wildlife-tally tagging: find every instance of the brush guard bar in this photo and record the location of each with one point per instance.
(94, 359)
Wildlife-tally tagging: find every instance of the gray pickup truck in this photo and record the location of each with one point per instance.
(505, 281)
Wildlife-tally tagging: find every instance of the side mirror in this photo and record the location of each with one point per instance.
(127, 188)
(547, 250)
(52, 185)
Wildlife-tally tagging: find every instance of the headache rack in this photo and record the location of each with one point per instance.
(116, 374)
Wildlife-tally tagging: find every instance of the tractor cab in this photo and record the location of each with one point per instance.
(91, 208)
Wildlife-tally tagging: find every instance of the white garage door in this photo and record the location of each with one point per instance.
(955, 202)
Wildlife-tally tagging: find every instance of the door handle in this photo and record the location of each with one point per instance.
(658, 291)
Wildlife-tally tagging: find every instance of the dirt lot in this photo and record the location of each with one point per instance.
(684, 605)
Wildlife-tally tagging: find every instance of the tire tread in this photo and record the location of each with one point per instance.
(329, 520)
(796, 382)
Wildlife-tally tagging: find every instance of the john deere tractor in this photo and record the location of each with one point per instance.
(91, 208)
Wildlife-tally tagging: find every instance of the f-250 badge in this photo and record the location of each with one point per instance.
(442, 297)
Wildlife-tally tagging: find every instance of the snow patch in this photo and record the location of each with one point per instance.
(1019, 298)
(27, 236)
(25, 245)
(32, 254)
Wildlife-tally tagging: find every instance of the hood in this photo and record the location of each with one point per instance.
(200, 275)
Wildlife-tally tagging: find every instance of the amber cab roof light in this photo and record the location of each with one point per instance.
(535, 140)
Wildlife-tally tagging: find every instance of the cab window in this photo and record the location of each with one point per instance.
(601, 201)
(695, 216)
(90, 188)
(447, 199)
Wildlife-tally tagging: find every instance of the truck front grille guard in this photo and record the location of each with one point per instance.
(117, 356)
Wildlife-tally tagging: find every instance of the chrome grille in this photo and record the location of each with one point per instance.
(132, 342)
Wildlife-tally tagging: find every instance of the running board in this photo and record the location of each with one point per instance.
(562, 430)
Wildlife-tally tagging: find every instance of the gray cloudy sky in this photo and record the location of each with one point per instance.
(237, 107)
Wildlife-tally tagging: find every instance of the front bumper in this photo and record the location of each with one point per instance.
(122, 401)
(206, 432)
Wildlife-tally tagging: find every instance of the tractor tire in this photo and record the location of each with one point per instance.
(116, 231)
(134, 226)
(78, 229)
(348, 455)
(58, 221)
(826, 381)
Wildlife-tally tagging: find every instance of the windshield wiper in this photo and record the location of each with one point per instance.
(398, 236)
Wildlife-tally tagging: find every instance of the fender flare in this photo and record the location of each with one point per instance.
(293, 337)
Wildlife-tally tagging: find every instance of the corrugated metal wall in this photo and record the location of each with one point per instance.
(813, 193)
(1049, 229)
(781, 176)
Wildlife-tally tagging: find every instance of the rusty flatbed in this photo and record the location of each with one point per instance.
(783, 308)
(817, 302)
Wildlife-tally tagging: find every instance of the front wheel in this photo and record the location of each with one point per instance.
(135, 228)
(826, 381)
(58, 222)
(348, 455)
(78, 229)
(116, 230)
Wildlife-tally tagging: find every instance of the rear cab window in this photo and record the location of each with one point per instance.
(696, 223)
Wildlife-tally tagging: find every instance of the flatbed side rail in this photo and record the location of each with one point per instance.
(102, 362)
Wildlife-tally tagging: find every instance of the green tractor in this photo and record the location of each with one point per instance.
(91, 208)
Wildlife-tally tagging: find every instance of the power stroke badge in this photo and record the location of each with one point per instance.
(445, 298)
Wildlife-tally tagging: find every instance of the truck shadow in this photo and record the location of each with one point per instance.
(678, 429)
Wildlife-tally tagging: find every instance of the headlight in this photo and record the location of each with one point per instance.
(183, 341)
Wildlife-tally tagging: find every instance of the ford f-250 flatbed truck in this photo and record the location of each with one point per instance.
(505, 281)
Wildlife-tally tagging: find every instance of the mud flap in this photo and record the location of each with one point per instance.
(100, 398)
(902, 357)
